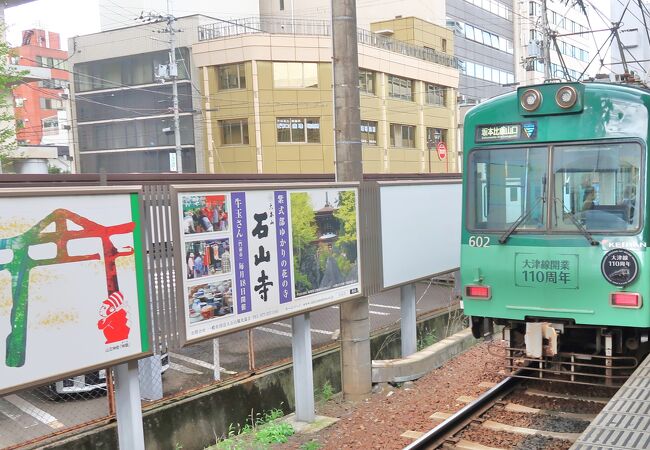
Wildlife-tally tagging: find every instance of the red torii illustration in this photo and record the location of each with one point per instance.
(21, 265)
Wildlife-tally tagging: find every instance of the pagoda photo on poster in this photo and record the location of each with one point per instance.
(324, 237)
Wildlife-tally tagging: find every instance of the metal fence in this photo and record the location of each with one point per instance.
(30, 417)
(253, 25)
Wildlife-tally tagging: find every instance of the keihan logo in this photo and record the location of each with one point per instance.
(529, 129)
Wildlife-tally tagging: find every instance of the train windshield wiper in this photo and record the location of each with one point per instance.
(504, 237)
(577, 223)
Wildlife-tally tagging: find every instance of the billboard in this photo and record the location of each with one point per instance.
(426, 244)
(72, 288)
(258, 254)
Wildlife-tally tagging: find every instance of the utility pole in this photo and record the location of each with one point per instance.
(546, 43)
(173, 73)
(170, 72)
(356, 368)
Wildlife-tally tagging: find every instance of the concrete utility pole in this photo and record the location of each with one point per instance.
(546, 43)
(355, 326)
(171, 72)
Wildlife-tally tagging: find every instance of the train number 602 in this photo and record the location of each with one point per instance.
(479, 241)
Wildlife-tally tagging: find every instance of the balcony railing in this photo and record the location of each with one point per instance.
(255, 25)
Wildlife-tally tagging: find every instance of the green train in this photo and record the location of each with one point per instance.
(554, 239)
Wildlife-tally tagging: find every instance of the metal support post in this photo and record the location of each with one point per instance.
(356, 367)
(216, 359)
(150, 377)
(303, 373)
(129, 410)
(608, 360)
(408, 322)
(509, 352)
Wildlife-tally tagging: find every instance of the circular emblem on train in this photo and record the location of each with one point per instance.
(619, 267)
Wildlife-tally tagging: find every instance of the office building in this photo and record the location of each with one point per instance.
(269, 96)
(122, 109)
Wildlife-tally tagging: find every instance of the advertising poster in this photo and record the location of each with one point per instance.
(251, 256)
(72, 290)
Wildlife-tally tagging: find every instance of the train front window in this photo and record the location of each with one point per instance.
(599, 184)
(506, 184)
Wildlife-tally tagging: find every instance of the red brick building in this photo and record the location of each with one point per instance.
(37, 103)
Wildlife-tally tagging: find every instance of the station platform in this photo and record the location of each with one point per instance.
(624, 423)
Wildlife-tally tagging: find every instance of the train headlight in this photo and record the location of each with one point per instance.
(566, 97)
(531, 99)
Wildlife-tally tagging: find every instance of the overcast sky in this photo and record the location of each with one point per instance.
(66, 17)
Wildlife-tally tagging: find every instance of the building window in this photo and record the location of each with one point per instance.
(298, 130)
(295, 75)
(436, 95)
(282, 5)
(45, 61)
(51, 103)
(444, 45)
(234, 132)
(367, 81)
(52, 84)
(51, 123)
(476, 70)
(436, 136)
(19, 101)
(401, 88)
(369, 132)
(127, 70)
(402, 135)
(232, 76)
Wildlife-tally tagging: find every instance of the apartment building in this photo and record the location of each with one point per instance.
(40, 105)
(268, 96)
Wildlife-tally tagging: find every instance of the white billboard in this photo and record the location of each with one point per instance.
(72, 290)
(258, 254)
(420, 230)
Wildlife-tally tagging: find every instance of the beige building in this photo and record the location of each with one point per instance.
(268, 97)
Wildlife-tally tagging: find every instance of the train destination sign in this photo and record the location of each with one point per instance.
(619, 267)
(255, 255)
(506, 132)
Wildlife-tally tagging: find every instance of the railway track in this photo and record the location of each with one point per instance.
(516, 413)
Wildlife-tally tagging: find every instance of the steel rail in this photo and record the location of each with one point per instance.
(437, 436)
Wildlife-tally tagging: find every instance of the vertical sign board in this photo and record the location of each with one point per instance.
(72, 286)
(253, 255)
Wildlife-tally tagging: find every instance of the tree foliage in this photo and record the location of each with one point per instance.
(9, 76)
(302, 220)
(347, 216)
(304, 232)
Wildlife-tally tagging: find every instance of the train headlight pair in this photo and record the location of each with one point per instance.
(565, 97)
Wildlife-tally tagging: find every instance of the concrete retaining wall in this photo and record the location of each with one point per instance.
(196, 421)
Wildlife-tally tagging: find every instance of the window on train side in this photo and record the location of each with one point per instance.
(504, 185)
(600, 184)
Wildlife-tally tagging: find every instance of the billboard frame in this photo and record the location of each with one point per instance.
(177, 236)
(380, 185)
(85, 191)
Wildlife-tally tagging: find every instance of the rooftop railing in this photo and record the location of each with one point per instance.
(255, 25)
